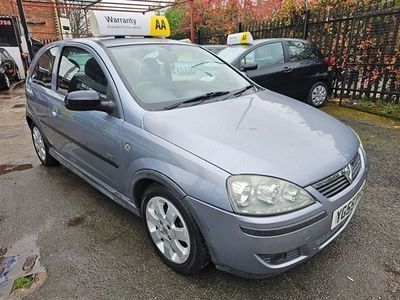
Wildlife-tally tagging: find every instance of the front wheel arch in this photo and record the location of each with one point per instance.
(199, 255)
(145, 177)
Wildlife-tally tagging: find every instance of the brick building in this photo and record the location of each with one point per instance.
(42, 19)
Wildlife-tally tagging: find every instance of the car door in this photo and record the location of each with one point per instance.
(308, 67)
(272, 72)
(39, 87)
(90, 140)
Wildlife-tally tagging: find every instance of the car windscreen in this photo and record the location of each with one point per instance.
(230, 53)
(159, 75)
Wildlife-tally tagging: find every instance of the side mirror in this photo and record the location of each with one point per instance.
(87, 100)
(249, 66)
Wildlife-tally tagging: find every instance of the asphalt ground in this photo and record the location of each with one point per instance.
(94, 249)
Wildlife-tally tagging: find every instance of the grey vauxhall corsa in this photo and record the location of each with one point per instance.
(219, 168)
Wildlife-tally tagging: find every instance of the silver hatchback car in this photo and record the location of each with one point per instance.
(219, 168)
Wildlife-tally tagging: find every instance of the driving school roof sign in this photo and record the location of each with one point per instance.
(124, 23)
(240, 38)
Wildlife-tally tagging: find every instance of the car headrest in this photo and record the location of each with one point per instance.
(93, 70)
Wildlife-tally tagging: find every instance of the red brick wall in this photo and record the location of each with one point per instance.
(41, 19)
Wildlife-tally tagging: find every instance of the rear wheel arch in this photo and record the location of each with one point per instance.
(320, 84)
(326, 81)
(30, 121)
(41, 145)
(314, 82)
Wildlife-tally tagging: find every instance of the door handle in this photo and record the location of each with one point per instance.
(287, 69)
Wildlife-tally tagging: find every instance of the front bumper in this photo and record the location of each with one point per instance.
(258, 247)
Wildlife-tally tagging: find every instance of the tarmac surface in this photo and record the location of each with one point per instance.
(92, 248)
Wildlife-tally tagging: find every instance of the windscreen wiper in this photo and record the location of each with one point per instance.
(198, 99)
(240, 92)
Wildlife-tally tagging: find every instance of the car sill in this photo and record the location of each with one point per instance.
(106, 190)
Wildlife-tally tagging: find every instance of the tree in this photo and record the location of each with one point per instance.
(174, 16)
(223, 15)
(78, 25)
(77, 18)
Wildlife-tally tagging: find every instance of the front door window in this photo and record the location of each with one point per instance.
(265, 55)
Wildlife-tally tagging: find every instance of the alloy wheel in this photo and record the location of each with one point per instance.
(39, 143)
(168, 229)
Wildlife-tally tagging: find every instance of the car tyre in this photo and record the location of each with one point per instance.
(6, 81)
(18, 75)
(318, 94)
(41, 147)
(173, 231)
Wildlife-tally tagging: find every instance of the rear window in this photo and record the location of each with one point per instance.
(44, 68)
(300, 50)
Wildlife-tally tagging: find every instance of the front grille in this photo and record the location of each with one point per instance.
(341, 180)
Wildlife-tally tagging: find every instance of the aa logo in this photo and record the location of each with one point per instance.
(159, 26)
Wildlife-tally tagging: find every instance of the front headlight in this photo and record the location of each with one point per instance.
(262, 195)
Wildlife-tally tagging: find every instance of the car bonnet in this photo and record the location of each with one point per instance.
(263, 133)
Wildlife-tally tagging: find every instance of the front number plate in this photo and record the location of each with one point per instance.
(340, 214)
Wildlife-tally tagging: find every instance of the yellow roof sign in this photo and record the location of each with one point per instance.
(240, 38)
(105, 23)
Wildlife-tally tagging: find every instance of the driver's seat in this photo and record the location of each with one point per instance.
(93, 78)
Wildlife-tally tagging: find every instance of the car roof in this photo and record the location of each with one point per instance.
(213, 46)
(260, 41)
(278, 40)
(122, 41)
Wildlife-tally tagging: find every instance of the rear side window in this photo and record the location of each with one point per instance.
(79, 70)
(300, 51)
(44, 68)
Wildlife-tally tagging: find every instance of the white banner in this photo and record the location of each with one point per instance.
(128, 24)
(240, 38)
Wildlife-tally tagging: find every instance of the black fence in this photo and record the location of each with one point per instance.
(362, 43)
